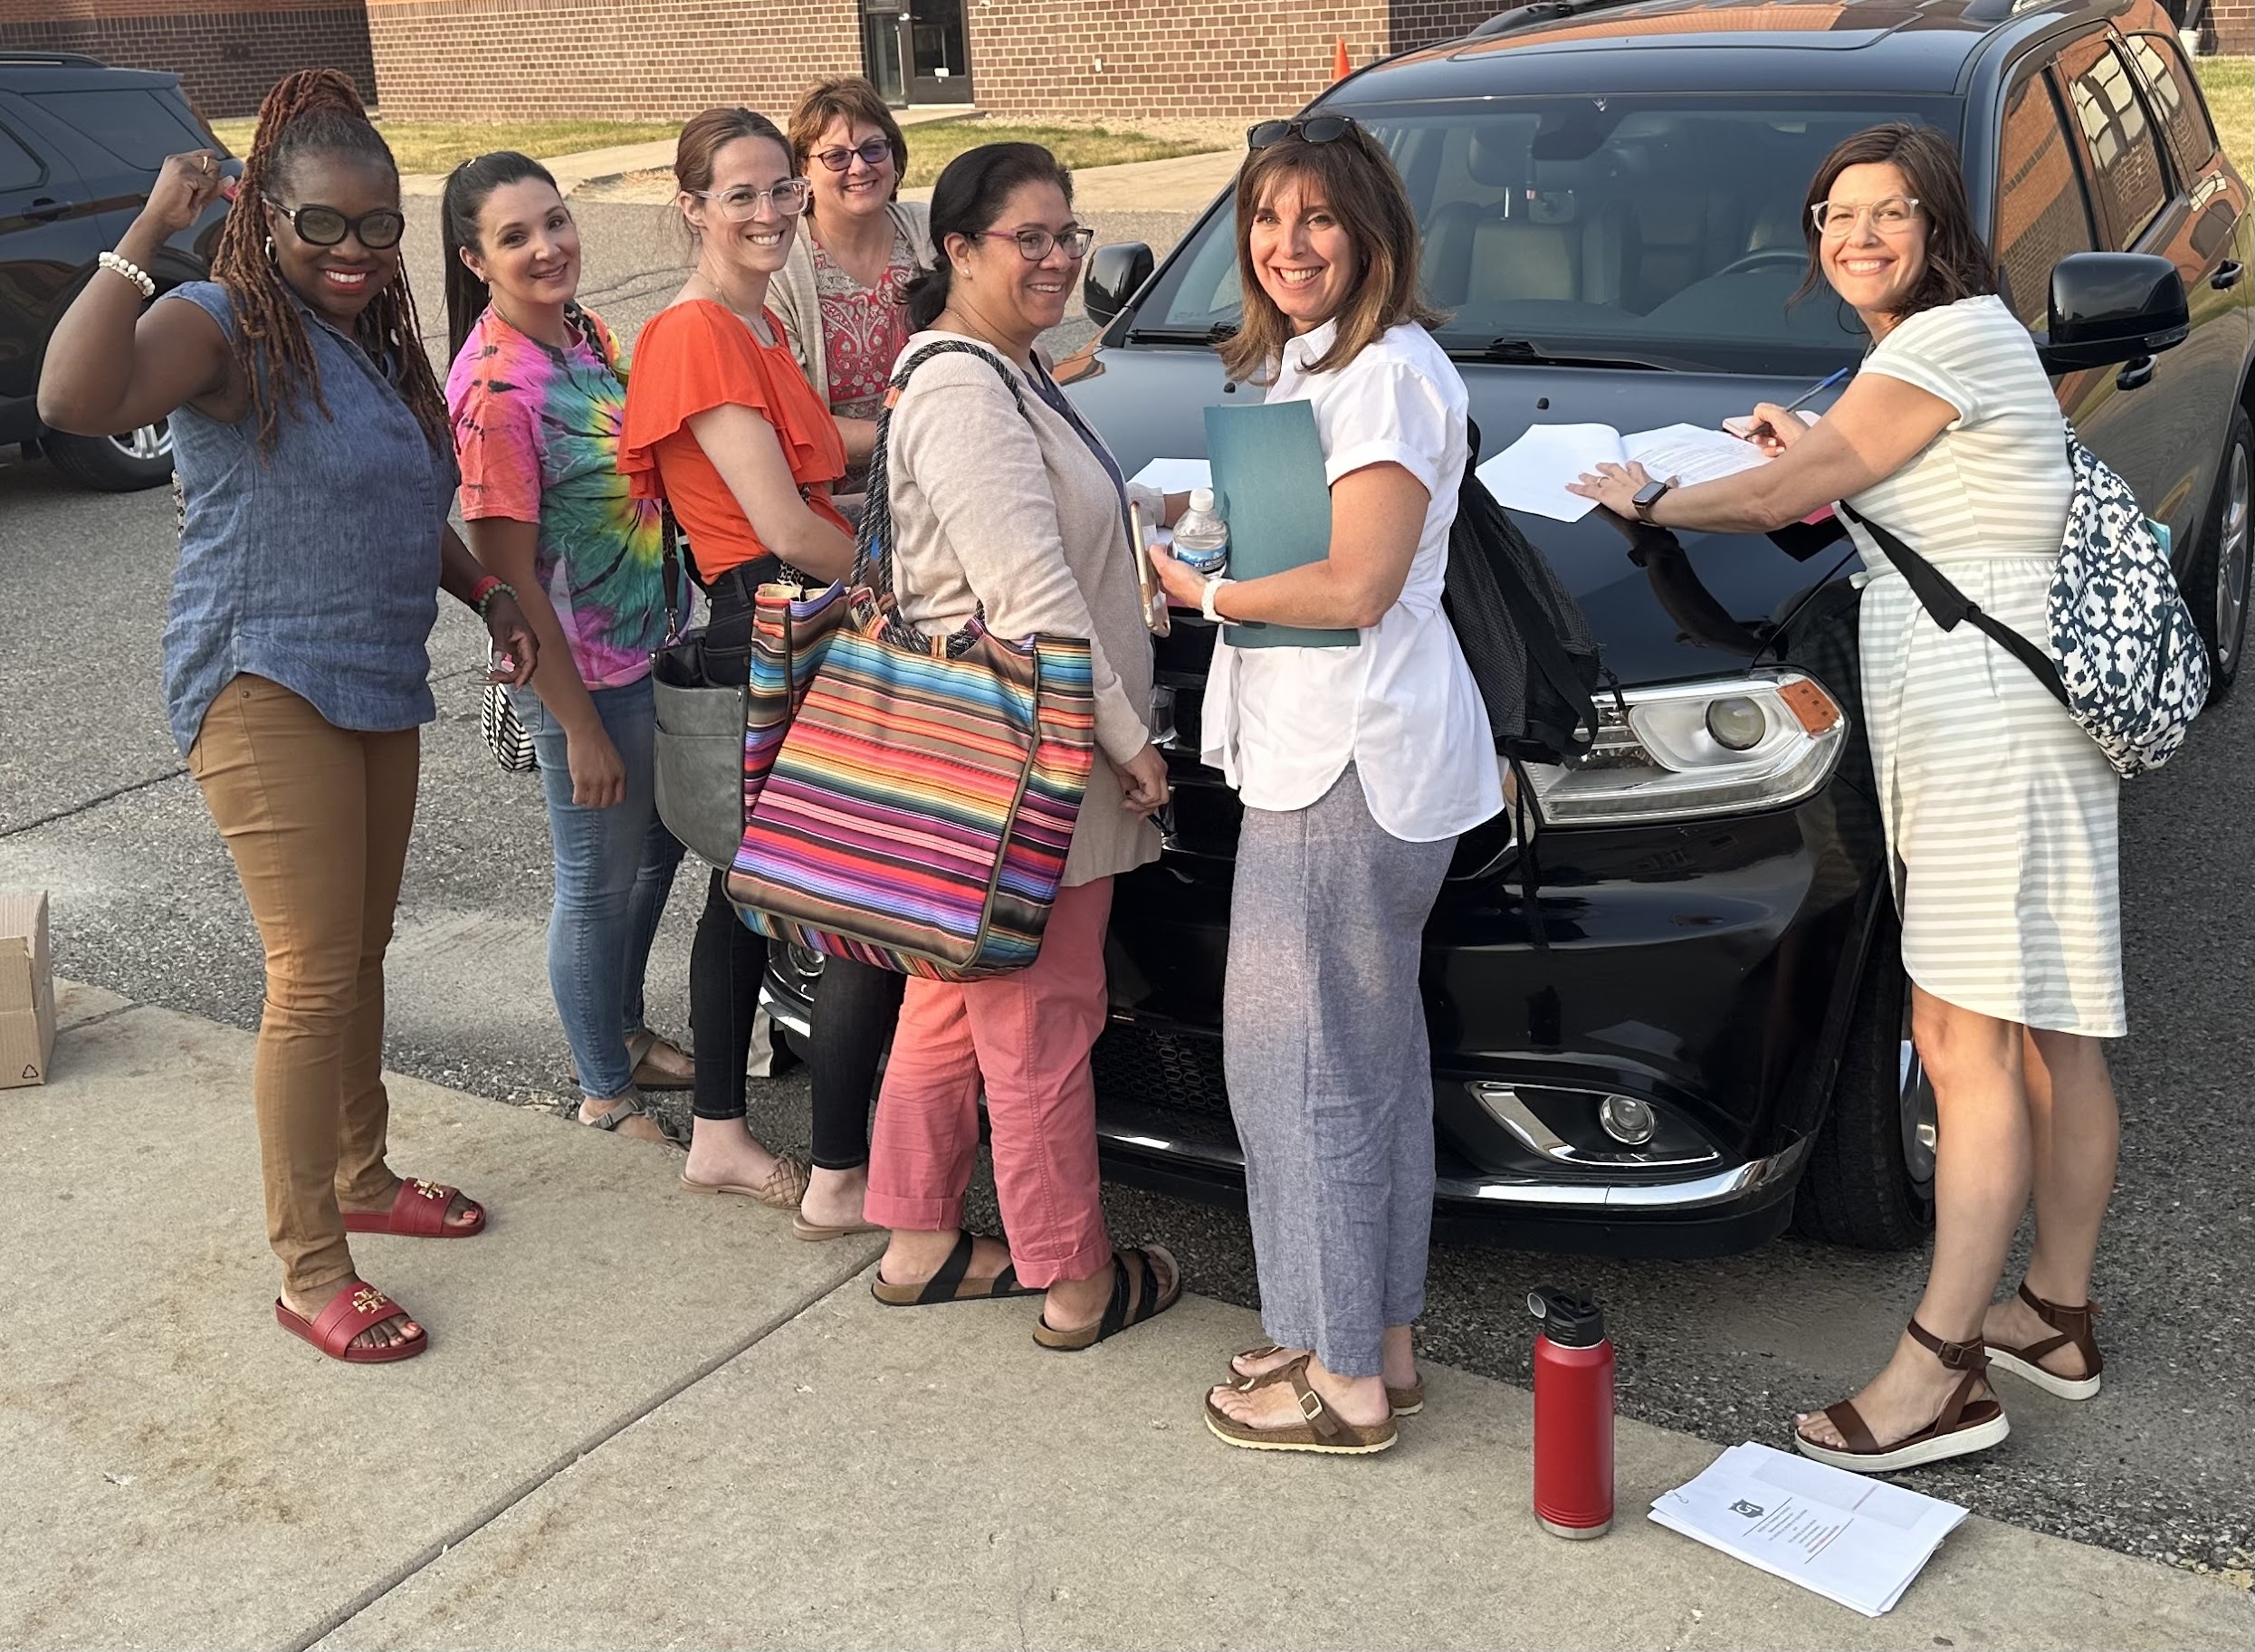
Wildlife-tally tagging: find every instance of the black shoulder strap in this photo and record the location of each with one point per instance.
(1951, 607)
(1484, 517)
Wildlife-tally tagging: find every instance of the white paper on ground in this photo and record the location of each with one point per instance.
(1848, 1537)
(1175, 476)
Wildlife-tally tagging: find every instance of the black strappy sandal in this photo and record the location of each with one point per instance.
(1135, 1297)
(953, 1283)
(1966, 1425)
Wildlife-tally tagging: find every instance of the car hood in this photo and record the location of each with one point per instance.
(1665, 607)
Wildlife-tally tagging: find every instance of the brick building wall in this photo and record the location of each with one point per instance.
(227, 52)
(574, 58)
(2228, 27)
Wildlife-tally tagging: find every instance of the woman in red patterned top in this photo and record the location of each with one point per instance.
(842, 297)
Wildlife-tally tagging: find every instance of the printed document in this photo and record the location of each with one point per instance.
(1532, 473)
(1848, 1537)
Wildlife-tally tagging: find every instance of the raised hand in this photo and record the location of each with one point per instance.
(187, 184)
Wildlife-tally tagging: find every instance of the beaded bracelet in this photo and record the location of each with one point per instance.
(481, 595)
(132, 272)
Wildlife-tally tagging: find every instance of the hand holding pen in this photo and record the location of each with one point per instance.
(1772, 428)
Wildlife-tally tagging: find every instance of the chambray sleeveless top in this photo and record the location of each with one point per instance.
(316, 565)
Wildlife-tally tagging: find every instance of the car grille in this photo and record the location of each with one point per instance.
(1164, 1074)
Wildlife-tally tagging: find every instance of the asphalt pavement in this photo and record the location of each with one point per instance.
(95, 807)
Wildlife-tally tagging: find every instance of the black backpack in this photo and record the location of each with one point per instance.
(1532, 652)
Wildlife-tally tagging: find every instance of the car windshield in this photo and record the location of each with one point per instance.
(1664, 231)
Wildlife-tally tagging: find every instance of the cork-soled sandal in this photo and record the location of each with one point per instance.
(1966, 1425)
(1320, 1428)
(1403, 1402)
(2073, 1324)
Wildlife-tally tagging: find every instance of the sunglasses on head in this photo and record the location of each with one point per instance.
(1311, 128)
(378, 231)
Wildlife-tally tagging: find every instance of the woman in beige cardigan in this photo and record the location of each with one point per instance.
(1003, 498)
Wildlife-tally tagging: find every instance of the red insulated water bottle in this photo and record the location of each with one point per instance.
(1573, 1415)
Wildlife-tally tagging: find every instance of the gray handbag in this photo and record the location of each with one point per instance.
(700, 733)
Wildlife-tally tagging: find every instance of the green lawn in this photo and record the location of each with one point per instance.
(2228, 84)
(438, 146)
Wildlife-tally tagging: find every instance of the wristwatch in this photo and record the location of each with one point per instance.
(1650, 495)
(1213, 589)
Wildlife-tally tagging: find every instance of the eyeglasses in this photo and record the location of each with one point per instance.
(789, 198)
(378, 231)
(874, 154)
(1837, 220)
(1034, 245)
(1313, 129)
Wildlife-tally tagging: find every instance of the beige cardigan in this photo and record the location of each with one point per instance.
(792, 295)
(1010, 509)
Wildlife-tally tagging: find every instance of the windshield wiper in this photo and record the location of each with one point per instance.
(1530, 352)
(1183, 335)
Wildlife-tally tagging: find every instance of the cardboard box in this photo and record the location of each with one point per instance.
(27, 990)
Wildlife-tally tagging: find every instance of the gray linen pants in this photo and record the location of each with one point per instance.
(1324, 1049)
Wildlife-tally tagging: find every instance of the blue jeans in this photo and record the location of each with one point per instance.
(613, 871)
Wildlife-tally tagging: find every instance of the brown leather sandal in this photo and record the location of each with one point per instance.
(1320, 1429)
(1404, 1403)
(1966, 1425)
(2073, 1324)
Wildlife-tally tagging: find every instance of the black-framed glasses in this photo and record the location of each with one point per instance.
(378, 231)
(1309, 129)
(789, 198)
(873, 153)
(1034, 245)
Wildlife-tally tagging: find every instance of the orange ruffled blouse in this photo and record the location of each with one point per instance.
(699, 355)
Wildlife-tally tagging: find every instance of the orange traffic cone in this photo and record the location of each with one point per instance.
(1340, 67)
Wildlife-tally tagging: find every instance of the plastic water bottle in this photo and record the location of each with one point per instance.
(1573, 1416)
(1201, 538)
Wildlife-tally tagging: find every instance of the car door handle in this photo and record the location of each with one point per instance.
(2139, 372)
(45, 210)
(2227, 276)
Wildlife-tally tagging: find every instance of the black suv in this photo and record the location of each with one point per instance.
(80, 147)
(1676, 1003)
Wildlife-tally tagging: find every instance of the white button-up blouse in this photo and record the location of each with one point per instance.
(1281, 724)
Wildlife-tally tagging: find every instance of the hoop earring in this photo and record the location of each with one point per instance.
(269, 253)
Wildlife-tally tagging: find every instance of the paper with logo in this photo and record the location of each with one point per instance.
(1268, 469)
(1848, 1537)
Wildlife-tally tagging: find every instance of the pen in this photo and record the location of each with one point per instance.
(1818, 389)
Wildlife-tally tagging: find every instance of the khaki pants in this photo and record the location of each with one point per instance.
(317, 818)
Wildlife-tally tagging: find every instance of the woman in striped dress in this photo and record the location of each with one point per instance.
(2000, 809)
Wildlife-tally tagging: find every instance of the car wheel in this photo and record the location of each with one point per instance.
(116, 465)
(2216, 587)
(1870, 1183)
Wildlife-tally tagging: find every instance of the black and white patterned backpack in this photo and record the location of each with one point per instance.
(2124, 655)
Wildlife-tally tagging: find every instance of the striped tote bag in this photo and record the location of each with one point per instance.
(908, 800)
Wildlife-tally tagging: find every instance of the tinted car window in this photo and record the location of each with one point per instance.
(2176, 102)
(2126, 153)
(1602, 227)
(2041, 214)
(19, 168)
(140, 127)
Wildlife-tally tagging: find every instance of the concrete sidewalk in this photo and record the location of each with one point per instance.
(647, 1419)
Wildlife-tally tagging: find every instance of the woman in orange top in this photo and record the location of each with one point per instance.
(721, 422)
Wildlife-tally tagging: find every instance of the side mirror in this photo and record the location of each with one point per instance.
(2112, 306)
(1115, 274)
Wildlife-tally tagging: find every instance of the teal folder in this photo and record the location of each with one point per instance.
(1268, 472)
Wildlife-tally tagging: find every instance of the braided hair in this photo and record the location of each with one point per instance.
(315, 111)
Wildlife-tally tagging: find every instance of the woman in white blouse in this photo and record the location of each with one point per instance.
(1357, 767)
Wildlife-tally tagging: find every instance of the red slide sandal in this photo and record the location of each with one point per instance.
(348, 1314)
(418, 1211)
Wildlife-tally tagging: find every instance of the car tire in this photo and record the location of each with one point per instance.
(1870, 1183)
(115, 464)
(2216, 587)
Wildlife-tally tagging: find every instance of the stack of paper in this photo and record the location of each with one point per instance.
(1849, 1537)
(1532, 473)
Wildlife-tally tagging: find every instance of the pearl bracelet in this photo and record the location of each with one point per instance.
(132, 272)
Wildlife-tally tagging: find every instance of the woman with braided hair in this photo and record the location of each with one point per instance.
(315, 469)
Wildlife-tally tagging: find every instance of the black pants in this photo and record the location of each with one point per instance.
(855, 1004)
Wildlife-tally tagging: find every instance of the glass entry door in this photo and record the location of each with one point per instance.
(938, 61)
(881, 45)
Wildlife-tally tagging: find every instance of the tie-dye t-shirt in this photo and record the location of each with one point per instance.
(536, 433)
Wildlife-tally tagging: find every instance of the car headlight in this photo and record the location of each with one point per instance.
(1691, 750)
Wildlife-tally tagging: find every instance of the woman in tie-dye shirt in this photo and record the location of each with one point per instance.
(536, 396)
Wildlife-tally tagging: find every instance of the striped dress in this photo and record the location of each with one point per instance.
(2001, 811)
